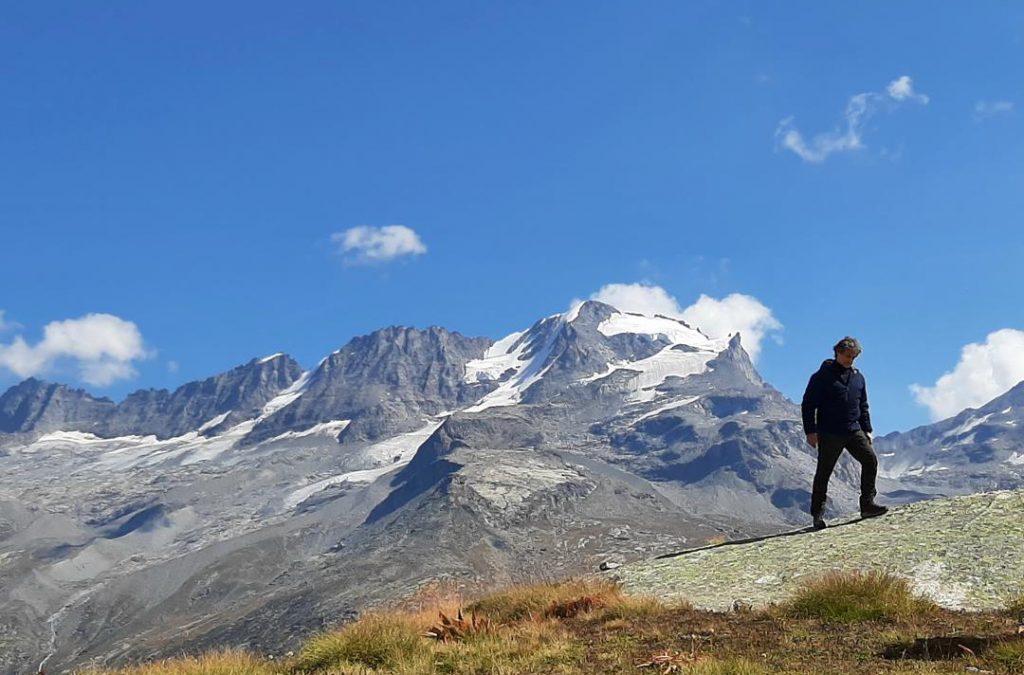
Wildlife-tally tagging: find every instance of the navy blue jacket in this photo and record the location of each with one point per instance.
(836, 401)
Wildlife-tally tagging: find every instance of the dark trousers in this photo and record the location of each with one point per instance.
(830, 447)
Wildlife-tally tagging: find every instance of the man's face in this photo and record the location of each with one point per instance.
(845, 357)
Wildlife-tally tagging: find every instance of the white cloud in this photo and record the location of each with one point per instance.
(985, 109)
(173, 367)
(849, 134)
(984, 372)
(639, 298)
(717, 318)
(902, 89)
(735, 313)
(378, 244)
(6, 325)
(102, 346)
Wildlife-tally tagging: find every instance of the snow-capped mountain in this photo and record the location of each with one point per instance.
(257, 505)
(977, 450)
(234, 396)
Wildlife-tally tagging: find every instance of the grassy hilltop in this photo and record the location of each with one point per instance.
(839, 623)
(935, 587)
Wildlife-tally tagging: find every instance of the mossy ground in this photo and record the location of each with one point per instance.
(591, 627)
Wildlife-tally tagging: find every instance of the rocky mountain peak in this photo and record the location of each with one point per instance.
(37, 405)
(385, 382)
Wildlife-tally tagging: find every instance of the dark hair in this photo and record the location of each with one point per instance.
(847, 344)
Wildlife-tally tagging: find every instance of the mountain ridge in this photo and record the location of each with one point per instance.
(589, 436)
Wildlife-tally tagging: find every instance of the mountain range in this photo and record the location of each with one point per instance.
(265, 503)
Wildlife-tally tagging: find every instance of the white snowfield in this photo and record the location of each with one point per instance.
(670, 361)
(330, 429)
(667, 363)
(130, 451)
(377, 460)
(668, 406)
(287, 396)
(509, 353)
(969, 424)
(498, 359)
(527, 371)
(214, 422)
(676, 331)
(123, 452)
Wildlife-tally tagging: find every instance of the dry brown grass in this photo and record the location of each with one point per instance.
(518, 603)
(229, 662)
(590, 627)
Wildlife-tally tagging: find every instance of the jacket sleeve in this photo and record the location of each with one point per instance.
(809, 406)
(865, 414)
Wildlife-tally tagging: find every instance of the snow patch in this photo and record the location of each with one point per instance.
(376, 460)
(214, 422)
(668, 406)
(676, 331)
(573, 313)
(287, 396)
(921, 470)
(324, 429)
(511, 391)
(499, 358)
(265, 359)
(967, 426)
(1015, 458)
(669, 362)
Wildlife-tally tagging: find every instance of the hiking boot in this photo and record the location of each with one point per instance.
(872, 510)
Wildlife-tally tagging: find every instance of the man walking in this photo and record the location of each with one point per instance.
(836, 417)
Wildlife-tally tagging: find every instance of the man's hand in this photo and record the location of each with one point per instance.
(812, 440)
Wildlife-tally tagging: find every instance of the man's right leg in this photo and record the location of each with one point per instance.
(829, 449)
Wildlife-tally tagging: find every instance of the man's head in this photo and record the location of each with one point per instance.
(846, 350)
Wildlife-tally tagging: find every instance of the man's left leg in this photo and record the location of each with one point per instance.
(860, 447)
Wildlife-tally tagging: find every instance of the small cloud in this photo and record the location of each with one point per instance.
(102, 346)
(173, 367)
(735, 313)
(367, 244)
(849, 134)
(902, 89)
(985, 371)
(985, 109)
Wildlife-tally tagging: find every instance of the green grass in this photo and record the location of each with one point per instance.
(1010, 655)
(856, 596)
(375, 641)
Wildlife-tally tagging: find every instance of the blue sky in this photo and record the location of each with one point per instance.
(192, 168)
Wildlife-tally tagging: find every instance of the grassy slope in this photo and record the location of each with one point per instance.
(841, 623)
